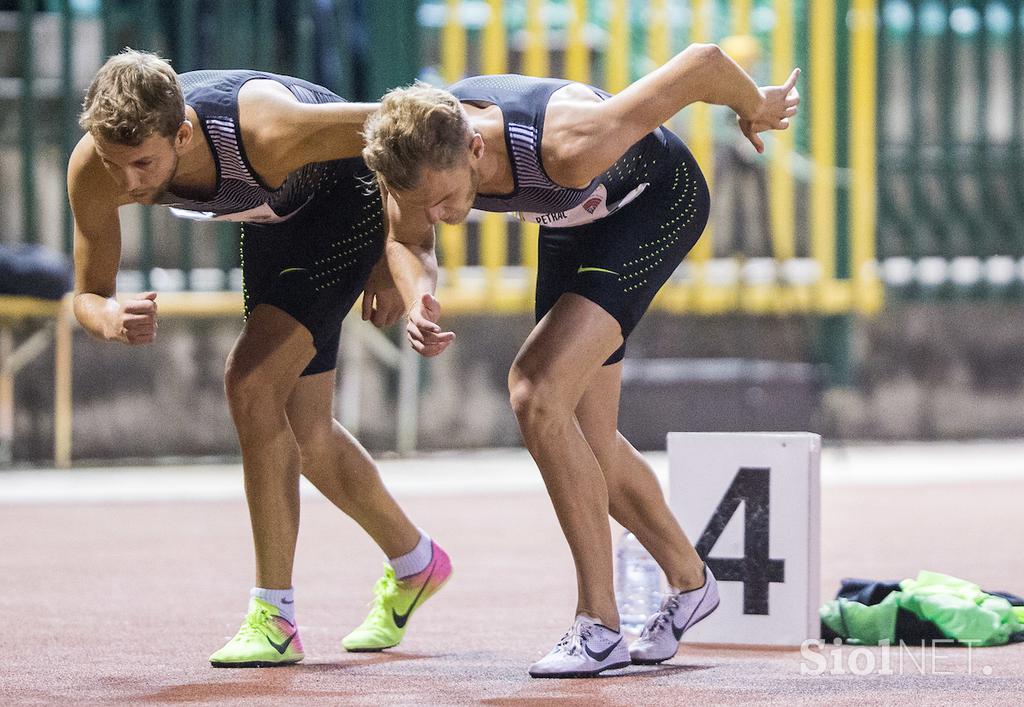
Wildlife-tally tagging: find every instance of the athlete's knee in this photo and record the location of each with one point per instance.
(535, 401)
(250, 392)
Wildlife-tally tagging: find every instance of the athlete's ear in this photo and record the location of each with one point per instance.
(476, 145)
(184, 135)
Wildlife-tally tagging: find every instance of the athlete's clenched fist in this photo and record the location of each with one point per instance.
(135, 322)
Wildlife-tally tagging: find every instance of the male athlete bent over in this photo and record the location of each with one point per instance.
(282, 156)
(620, 201)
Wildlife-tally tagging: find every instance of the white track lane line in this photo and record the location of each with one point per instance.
(503, 471)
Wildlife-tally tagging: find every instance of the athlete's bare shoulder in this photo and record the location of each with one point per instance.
(281, 133)
(267, 119)
(89, 180)
(572, 95)
(257, 92)
(84, 161)
(572, 115)
(263, 109)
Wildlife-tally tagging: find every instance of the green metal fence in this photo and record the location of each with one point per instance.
(352, 47)
(950, 145)
(950, 159)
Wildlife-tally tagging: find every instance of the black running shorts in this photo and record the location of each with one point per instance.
(621, 261)
(314, 265)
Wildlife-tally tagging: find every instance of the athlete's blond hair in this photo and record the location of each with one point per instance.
(417, 126)
(133, 96)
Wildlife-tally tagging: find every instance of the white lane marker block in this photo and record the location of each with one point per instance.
(750, 503)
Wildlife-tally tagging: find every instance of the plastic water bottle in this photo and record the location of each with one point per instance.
(637, 584)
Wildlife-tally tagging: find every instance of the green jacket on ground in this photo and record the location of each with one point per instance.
(957, 608)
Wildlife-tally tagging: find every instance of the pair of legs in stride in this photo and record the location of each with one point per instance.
(566, 402)
(285, 424)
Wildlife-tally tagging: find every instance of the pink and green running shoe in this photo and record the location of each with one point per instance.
(264, 640)
(394, 601)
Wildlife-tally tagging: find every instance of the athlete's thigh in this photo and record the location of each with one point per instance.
(273, 349)
(568, 346)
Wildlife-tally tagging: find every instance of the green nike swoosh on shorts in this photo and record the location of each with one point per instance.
(583, 269)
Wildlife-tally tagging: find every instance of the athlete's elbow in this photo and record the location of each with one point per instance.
(701, 68)
(705, 54)
(698, 64)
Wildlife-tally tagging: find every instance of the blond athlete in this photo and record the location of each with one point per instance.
(620, 201)
(282, 156)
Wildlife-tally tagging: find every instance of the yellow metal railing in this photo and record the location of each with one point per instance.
(701, 133)
(54, 321)
(532, 36)
(783, 194)
(868, 289)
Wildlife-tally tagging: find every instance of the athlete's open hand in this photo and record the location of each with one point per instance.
(425, 335)
(777, 107)
(382, 302)
(135, 320)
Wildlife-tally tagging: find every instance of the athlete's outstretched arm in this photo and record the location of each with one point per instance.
(281, 134)
(413, 263)
(94, 203)
(597, 134)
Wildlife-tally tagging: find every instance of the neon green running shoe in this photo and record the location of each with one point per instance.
(394, 601)
(264, 640)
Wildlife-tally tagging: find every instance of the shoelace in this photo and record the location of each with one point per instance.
(664, 616)
(573, 640)
(382, 590)
(254, 622)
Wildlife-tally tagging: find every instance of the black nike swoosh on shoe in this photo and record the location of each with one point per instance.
(603, 655)
(400, 619)
(678, 632)
(284, 646)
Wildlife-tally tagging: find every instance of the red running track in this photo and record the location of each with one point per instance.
(121, 603)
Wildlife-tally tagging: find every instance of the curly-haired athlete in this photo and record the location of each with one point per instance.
(282, 156)
(620, 201)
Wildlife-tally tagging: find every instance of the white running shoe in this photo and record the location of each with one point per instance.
(659, 639)
(587, 649)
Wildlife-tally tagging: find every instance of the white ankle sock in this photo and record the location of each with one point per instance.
(413, 562)
(283, 599)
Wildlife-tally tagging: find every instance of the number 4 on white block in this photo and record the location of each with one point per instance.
(752, 502)
(755, 570)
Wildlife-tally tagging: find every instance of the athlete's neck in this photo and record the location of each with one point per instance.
(493, 168)
(197, 171)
